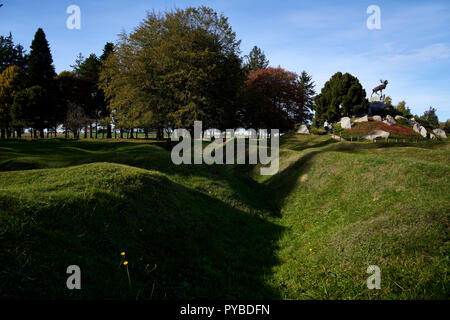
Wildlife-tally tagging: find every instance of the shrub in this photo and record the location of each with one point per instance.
(317, 131)
(337, 129)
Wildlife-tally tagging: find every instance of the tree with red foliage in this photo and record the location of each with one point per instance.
(274, 99)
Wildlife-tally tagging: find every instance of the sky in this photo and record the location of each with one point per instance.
(411, 49)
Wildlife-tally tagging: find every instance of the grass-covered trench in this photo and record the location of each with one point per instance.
(224, 232)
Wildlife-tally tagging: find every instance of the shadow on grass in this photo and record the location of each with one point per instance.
(202, 247)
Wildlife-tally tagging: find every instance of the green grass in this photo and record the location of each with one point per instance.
(212, 232)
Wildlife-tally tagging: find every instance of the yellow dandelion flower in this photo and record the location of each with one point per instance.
(310, 250)
(125, 263)
(122, 254)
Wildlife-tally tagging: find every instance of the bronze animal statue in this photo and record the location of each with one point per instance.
(380, 87)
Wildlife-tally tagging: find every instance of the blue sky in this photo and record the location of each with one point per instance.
(411, 50)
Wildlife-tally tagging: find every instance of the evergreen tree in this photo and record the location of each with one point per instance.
(307, 94)
(341, 96)
(41, 69)
(10, 54)
(42, 73)
(432, 118)
(88, 70)
(256, 60)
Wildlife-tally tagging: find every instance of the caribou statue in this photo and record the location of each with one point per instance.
(380, 87)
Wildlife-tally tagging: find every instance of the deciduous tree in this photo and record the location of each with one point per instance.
(12, 80)
(274, 100)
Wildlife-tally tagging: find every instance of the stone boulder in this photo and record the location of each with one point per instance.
(440, 133)
(346, 123)
(377, 118)
(423, 132)
(303, 129)
(400, 118)
(432, 136)
(377, 134)
(416, 127)
(363, 119)
(389, 120)
(412, 121)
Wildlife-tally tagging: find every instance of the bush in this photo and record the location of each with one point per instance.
(317, 131)
(425, 123)
(402, 121)
(337, 129)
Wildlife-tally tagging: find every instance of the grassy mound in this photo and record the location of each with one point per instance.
(180, 243)
(348, 206)
(400, 131)
(202, 231)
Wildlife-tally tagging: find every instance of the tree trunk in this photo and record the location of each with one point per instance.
(108, 131)
(160, 133)
(90, 130)
(131, 133)
(41, 134)
(121, 133)
(146, 133)
(96, 129)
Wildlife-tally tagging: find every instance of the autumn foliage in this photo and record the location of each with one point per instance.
(274, 99)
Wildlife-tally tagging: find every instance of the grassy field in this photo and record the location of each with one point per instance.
(211, 232)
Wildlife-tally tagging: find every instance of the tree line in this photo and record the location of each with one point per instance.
(175, 68)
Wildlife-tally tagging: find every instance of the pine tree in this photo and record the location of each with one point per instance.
(256, 60)
(306, 106)
(42, 73)
(41, 69)
(10, 54)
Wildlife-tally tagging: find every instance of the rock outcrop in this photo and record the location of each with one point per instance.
(423, 132)
(377, 134)
(346, 123)
(363, 119)
(398, 118)
(389, 120)
(377, 118)
(303, 129)
(440, 133)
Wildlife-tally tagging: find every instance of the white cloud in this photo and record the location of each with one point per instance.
(429, 53)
